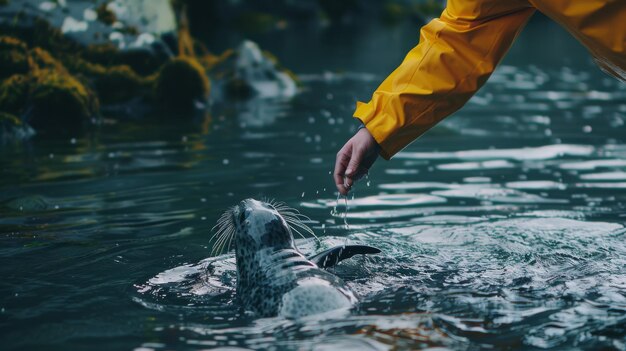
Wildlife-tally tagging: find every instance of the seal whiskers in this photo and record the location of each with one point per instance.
(224, 229)
(273, 276)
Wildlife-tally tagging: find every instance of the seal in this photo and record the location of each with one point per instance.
(273, 276)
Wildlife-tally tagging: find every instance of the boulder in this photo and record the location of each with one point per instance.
(249, 72)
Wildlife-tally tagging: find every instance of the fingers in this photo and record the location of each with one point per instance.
(352, 171)
(343, 159)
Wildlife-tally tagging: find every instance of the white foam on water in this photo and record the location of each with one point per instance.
(529, 153)
(591, 165)
(618, 175)
(472, 166)
(536, 185)
(387, 200)
(501, 195)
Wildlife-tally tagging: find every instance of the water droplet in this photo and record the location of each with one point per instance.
(51, 155)
(587, 129)
(225, 161)
(302, 194)
(73, 141)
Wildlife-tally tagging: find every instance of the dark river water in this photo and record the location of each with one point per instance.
(501, 228)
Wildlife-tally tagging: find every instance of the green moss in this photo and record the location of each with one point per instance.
(40, 34)
(120, 83)
(210, 61)
(60, 101)
(13, 57)
(42, 59)
(8, 120)
(142, 62)
(180, 82)
(14, 92)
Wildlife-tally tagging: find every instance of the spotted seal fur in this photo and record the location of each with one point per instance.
(273, 276)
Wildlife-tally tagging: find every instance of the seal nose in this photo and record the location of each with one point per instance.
(248, 202)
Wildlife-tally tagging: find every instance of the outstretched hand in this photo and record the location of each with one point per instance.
(354, 160)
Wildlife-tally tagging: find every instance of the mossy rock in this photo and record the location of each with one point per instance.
(142, 61)
(14, 92)
(40, 33)
(180, 83)
(119, 84)
(42, 59)
(61, 102)
(13, 57)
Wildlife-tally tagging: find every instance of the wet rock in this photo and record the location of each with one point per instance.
(132, 27)
(249, 72)
(181, 84)
(60, 102)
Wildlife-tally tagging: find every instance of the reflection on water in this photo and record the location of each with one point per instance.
(500, 228)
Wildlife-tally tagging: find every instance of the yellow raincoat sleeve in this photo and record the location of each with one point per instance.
(455, 55)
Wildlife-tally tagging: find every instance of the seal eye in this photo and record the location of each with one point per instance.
(242, 216)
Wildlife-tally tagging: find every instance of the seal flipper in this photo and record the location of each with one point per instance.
(332, 256)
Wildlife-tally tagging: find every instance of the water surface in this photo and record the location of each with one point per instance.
(502, 228)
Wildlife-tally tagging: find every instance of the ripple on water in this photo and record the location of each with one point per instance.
(529, 153)
(500, 195)
(387, 200)
(541, 280)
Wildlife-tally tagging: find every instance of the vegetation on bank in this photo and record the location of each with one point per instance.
(52, 83)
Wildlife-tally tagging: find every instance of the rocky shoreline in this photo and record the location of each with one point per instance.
(65, 64)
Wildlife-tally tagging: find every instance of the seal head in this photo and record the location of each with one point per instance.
(273, 276)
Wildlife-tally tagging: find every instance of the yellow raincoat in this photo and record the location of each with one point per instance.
(458, 52)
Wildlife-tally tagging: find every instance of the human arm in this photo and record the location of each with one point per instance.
(456, 54)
